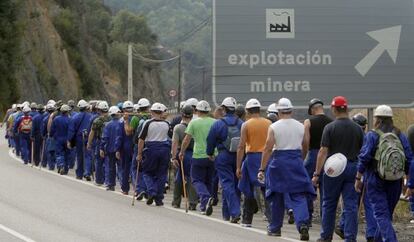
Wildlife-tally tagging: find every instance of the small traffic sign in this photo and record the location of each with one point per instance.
(172, 93)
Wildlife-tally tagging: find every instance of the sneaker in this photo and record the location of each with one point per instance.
(124, 193)
(62, 172)
(98, 184)
(339, 232)
(150, 200)
(215, 201)
(246, 225)
(209, 209)
(235, 220)
(159, 203)
(88, 178)
(203, 212)
(304, 233)
(277, 233)
(110, 188)
(140, 196)
(291, 218)
(79, 178)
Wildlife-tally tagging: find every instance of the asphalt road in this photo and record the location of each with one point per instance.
(38, 205)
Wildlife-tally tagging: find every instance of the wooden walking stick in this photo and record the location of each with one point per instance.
(32, 154)
(184, 185)
(42, 154)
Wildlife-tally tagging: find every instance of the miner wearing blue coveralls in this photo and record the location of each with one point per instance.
(383, 193)
(202, 168)
(221, 136)
(59, 132)
(346, 137)
(285, 173)
(154, 147)
(252, 143)
(110, 145)
(79, 131)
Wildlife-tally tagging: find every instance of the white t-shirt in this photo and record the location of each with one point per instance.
(288, 134)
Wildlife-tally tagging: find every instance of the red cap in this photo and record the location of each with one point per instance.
(339, 102)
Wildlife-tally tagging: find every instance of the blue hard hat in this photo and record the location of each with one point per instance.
(120, 104)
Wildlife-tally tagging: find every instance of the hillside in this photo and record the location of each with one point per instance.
(71, 49)
(179, 24)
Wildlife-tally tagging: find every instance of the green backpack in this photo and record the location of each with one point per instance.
(390, 156)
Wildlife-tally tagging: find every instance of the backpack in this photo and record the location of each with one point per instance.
(390, 156)
(26, 125)
(233, 136)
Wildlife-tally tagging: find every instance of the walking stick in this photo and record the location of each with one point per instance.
(136, 182)
(184, 185)
(32, 154)
(42, 155)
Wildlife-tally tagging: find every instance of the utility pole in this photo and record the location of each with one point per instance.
(179, 80)
(203, 90)
(130, 84)
(370, 117)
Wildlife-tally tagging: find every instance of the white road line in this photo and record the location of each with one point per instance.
(15, 233)
(194, 214)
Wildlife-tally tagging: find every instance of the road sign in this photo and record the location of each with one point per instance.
(268, 49)
(172, 93)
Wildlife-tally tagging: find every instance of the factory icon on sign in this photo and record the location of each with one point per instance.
(280, 23)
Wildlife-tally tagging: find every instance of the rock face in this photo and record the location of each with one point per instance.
(47, 70)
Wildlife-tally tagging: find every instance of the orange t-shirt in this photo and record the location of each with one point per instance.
(256, 129)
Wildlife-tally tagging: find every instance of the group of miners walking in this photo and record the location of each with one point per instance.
(234, 148)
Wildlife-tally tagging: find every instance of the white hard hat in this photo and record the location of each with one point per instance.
(182, 104)
(113, 110)
(335, 165)
(26, 109)
(192, 102)
(383, 111)
(83, 104)
(203, 106)
(164, 107)
(50, 106)
(127, 104)
(253, 103)
(52, 102)
(19, 105)
(14, 106)
(136, 107)
(229, 102)
(65, 108)
(272, 108)
(33, 105)
(103, 105)
(143, 102)
(284, 104)
(26, 103)
(158, 107)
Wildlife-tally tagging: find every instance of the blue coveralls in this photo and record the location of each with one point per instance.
(16, 135)
(43, 130)
(382, 195)
(72, 152)
(90, 154)
(127, 149)
(110, 144)
(140, 186)
(24, 139)
(79, 128)
(225, 165)
(59, 132)
(310, 166)
(34, 114)
(286, 176)
(36, 136)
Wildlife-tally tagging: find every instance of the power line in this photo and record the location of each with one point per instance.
(145, 59)
(193, 31)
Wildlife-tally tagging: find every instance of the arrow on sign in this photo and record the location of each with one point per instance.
(388, 40)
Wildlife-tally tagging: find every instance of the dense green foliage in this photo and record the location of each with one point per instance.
(88, 28)
(172, 20)
(10, 36)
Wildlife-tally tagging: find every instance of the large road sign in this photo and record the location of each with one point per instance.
(269, 49)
